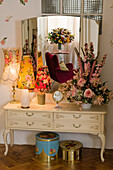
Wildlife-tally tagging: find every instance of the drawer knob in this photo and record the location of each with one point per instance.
(94, 127)
(76, 126)
(94, 117)
(29, 114)
(13, 123)
(29, 124)
(59, 116)
(48, 115)
(76, 116)
(46, 124)
(59, 125)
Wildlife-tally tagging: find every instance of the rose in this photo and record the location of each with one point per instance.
(81, 82)
(88, 93)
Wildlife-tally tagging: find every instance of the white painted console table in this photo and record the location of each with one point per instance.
(48, 118)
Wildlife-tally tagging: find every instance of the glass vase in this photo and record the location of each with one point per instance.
(59, 46)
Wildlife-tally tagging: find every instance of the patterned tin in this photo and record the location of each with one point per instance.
(47, 145)
(70, 150)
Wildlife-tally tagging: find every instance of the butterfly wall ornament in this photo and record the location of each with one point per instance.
(8, 18)
(3, 41)
(111, 43)
(1, 1)
(23, 1)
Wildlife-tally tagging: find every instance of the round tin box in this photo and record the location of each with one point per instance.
(70, 150)
(47, 145)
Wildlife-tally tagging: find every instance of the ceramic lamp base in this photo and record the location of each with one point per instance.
(41, 98)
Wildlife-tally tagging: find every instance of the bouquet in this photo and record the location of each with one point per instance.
(60, 35)
(86, 87)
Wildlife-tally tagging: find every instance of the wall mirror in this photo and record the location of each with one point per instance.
(85, 31)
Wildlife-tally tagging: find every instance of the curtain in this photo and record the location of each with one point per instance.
(46, 24)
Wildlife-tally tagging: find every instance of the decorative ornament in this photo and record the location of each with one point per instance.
(8, 18)
(1, 2)
(3, 41)
(23, 1)
(58, 97)
(111, 43)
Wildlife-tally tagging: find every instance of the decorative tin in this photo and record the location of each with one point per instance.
(47, 145)
(70, 150)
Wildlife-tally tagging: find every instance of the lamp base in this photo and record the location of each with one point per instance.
(14, 102)
(41, 98)
(25, 107)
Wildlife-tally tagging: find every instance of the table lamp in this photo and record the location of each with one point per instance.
(43, 84)
(26, 80)
(11, 69)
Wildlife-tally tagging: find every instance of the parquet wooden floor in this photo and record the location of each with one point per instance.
(22, 157)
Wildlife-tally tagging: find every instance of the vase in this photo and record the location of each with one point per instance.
(59, 46)
(25, 98)
(86, 105)
(41, 98)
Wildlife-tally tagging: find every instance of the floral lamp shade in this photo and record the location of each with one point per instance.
(43, 80)
(11, 56)
(26, 79)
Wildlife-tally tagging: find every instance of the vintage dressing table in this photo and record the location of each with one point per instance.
(48, 118)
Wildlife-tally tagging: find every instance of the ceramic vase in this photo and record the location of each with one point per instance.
(86, 105)
(25, 98)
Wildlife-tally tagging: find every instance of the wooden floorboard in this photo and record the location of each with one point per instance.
(22, 157)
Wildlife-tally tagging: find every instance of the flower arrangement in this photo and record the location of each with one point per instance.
(60, 35)
(86, 87)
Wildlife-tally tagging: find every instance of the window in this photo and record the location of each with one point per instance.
(92, 9)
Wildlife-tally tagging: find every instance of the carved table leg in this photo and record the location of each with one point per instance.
(11, 137)
(102, 137)
(5, 133)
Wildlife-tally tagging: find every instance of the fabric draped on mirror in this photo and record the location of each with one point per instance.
(46, 24)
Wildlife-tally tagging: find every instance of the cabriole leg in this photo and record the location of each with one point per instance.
(102, 137)
(5, 133)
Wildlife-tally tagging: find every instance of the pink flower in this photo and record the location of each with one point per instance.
(88, 93)
(81, 82)
(98, 100)
(28, 78)
(87, 67)
(25, 1)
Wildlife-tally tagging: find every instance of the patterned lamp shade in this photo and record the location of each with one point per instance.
(11, 68)
(43, 80)
(26, 78)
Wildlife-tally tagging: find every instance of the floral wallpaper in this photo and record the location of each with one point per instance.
(23, 2)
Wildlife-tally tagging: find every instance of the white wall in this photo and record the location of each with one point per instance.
(10, 30)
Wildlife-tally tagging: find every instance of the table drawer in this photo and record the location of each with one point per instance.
(77, 117)
(30, 124)
(30, 114)
(72, 126)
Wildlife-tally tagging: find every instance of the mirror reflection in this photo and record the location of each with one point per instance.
(29, 40)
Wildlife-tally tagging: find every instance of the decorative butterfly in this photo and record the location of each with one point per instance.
(23, 1)
(1, 1)
(3, 41)
(8, 18)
